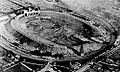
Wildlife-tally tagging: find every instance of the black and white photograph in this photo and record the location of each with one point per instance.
(59, 35)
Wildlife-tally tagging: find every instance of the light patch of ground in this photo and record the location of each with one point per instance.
(3, 20)
(93, 4)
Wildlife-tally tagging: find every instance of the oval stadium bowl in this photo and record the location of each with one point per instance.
(45, 35)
